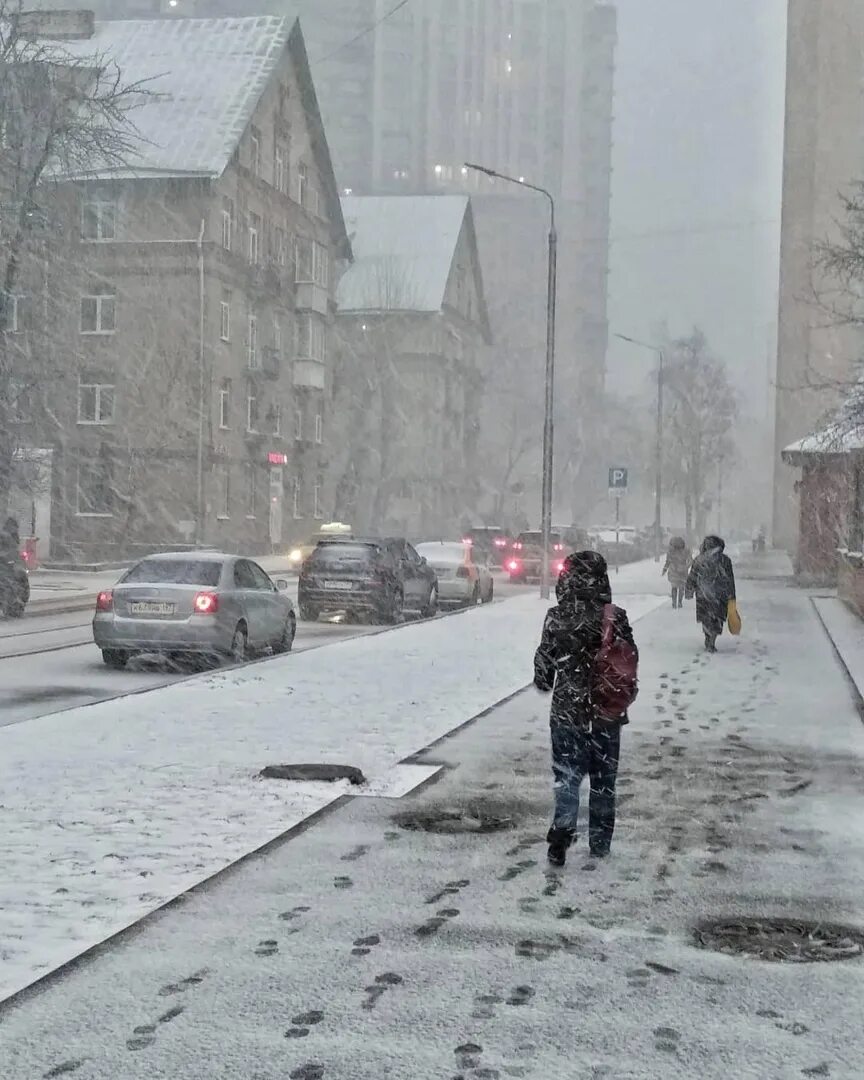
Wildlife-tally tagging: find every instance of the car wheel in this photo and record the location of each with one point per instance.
(286, 642)
(309, 613)
(394, 612)
(239, 651)
(490, 596)
(431, 608)
(115, 658)
(475, 595)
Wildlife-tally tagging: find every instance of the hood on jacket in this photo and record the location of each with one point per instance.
(677, 543)
(585, 577)
(712, 544)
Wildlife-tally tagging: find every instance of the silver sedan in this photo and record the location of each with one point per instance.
(461, 580)
(185, 603)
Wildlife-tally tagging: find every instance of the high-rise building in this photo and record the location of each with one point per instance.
(823, 156)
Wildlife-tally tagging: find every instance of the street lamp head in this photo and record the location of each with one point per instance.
(481, 168)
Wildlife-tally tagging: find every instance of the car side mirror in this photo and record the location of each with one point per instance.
(281, 584)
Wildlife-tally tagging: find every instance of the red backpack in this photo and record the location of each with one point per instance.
(615, 680)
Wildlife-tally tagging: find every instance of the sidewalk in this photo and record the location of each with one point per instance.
(361, 949)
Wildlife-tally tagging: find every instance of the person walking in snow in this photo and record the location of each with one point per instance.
(10, 540)
(677, 567)
(712, 582)
(582, 744)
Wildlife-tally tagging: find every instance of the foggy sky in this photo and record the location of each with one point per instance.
(700, 90)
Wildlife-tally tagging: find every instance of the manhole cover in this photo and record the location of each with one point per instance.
(468, 819)
(787, 941)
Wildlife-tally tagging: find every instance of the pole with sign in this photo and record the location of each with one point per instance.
(618, 481)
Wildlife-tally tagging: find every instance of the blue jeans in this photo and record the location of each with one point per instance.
(576, 754)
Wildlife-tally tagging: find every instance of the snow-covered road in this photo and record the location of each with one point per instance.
(357, 949)
(110, 810)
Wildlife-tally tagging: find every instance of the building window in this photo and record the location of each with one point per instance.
(93, 489)
(225, 405)
(279, 247)
(254, 233)
(296, 499)
(251, 489)
(224, 320)
(20, 402)
(277, 337)
(279, 171)
(319, 428)
(302, 184)
(223, 494)
(298, 424)
(311, 262)
(251, 411)
(227, 222)
(98, 315)
(277, 420)
(252, 358)
(14, 305)
(255, 151)
(319, 512)
(311, 343)
(98, 219)
(95, 401)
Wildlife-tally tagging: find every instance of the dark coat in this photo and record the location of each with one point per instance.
(571, 639)
(10, 541)
(712, 582)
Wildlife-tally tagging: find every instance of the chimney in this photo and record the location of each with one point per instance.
(57, 25)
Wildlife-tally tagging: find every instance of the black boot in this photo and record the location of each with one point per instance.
(559, 840)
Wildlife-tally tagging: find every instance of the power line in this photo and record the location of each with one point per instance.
(362, 34)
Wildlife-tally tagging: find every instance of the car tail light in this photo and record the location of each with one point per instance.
(517, 546)
(467, 540)
(463, 571)
(205, 603)
(500, 543)
(105, 601)
(513, 566)
(558, 567)
(559, 547)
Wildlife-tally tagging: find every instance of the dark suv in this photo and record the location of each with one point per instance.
(489, 541)
(525, 562)
(376, 579)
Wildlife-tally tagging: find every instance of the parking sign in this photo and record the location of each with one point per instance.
(618, 482)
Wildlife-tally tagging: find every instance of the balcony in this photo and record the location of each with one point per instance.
(309, 374)
(271, 361)
(312, 297)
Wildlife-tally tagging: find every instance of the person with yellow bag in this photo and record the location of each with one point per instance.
(712, 582)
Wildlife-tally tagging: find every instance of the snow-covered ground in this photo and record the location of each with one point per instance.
(110, 810)
(357, 950)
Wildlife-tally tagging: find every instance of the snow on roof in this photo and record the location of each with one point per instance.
(832, 440)
(404, 247)
(205, 75)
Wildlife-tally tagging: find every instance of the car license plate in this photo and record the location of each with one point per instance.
(339, 586)
(151, 607)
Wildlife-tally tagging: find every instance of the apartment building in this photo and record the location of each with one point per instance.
(824, 154)
(184, 316)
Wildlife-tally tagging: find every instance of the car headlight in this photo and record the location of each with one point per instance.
(296, 555)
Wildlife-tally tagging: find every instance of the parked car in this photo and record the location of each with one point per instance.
(182, 603)
(301, 552)
(373, 578)
(573, 537)
(490, 540)
(526, 558)
(462, 579)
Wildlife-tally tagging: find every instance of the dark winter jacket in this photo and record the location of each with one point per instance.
(10, 541)
(712, 582)
(677, 563)
(571, 639)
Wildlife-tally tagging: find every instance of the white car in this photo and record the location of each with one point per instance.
(461, 581)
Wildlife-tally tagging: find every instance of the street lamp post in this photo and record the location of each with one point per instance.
(658, 444)
(548, 413)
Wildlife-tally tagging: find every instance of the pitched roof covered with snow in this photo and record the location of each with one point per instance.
(205, 77)
(404, 247)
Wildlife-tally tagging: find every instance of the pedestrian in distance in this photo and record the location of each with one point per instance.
(587, 711)
(712, 582)
(677, 567)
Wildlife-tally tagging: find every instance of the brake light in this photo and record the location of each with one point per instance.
(205, 603)
(105, 601)
(513, 566)
(467, 540)
(517, 546)
(500, 543)
(559, 547)
(463, 571)
(559, 567)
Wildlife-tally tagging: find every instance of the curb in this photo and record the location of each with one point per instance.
(854, 690)
(58, 607)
